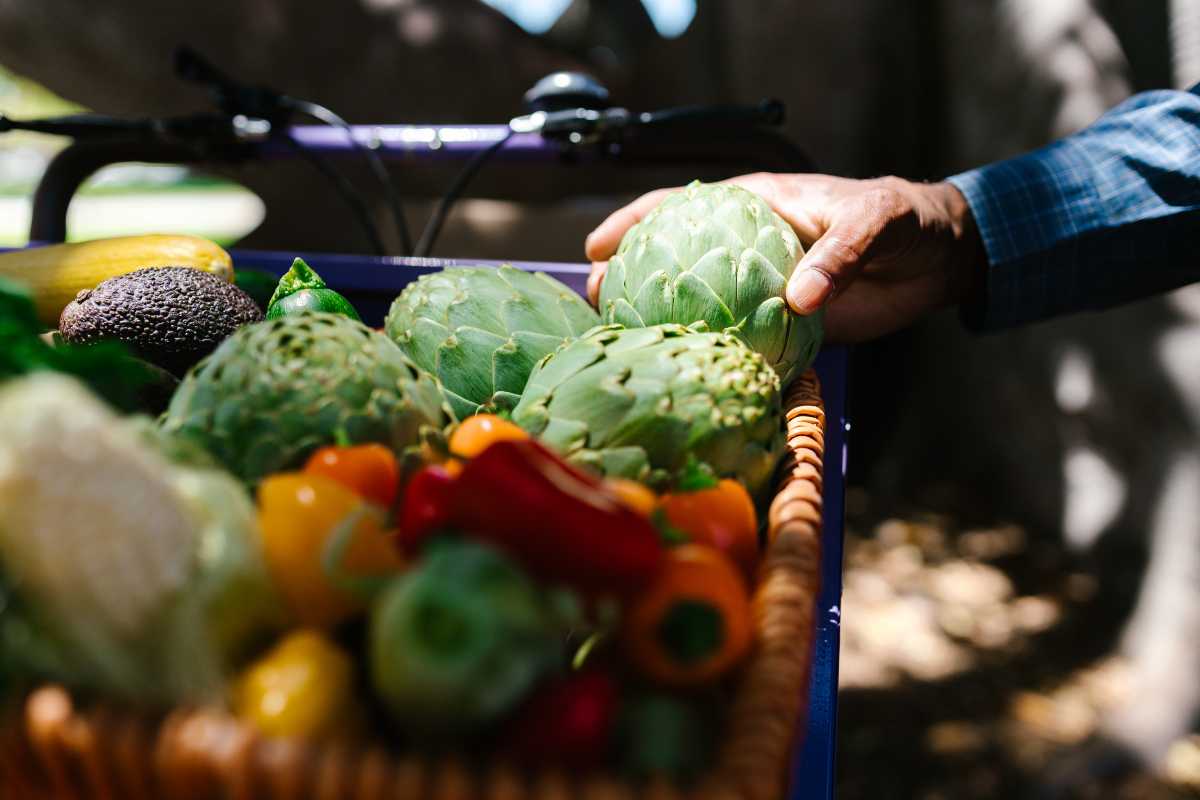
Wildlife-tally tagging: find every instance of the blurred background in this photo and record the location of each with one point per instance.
(1022, 603)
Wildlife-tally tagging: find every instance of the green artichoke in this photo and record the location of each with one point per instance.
(645, 403)
(717, 254)
(134, 563)
(481, 330)
(273, 392)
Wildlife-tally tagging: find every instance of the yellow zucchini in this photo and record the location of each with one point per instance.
(56, 273)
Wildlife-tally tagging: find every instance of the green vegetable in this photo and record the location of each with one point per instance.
(460, 639)
(135, 561)
(717, 254)
(107, 367)
(643, 403)
(258, 284)
(666, 735)
(273, 392)
(481, 330)
(301, 289)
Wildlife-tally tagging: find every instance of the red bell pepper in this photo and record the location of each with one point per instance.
(564, 525)
(428, 499)
(569, 722)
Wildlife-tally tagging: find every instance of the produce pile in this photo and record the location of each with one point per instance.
(504, 520)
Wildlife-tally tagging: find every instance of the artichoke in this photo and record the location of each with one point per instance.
(275, 391)
(646, 403)
(134, 564)
(717, 254)
(481, 330)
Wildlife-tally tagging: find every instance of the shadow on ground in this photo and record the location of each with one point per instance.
(979, 663)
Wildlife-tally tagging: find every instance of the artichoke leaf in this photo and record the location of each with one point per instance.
(695, 300)
(757, 278)
(457, 357)
(779, 246)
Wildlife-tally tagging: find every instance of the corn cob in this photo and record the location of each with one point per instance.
(56, 273)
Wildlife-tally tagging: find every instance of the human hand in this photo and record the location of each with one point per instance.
(881, 253)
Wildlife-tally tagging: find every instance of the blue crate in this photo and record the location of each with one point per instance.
(371, 283)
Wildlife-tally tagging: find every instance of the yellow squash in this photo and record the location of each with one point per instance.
(56, 273)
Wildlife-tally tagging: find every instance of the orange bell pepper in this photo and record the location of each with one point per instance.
(370, 470)
(638, 496)
(475, 434)
(693, 623)
(722, 517)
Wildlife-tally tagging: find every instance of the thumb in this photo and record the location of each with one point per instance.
(595, 278)
(856, 235)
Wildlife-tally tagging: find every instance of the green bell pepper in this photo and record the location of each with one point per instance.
(302, 289)
(460, 639)
(665, 734)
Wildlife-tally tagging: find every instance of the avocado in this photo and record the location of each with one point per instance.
(170, 316)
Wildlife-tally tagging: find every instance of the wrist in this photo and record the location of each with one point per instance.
(966, 258)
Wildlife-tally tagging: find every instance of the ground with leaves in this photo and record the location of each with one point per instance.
(978, 663)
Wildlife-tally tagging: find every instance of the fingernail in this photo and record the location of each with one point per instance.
(807, 290)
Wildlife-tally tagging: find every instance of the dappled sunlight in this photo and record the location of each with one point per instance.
(978, 661)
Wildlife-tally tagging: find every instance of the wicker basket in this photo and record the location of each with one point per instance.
(55, 750)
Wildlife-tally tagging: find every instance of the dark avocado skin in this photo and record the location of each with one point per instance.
(170, 316)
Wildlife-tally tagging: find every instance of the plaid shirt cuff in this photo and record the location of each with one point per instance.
(1080, 224)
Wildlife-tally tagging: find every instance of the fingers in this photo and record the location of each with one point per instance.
(595, 278)
(799, 199)
(863, 227)
(602, 242)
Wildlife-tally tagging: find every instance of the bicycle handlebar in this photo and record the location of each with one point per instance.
(253, 124)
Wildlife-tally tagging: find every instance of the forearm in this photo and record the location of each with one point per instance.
(1109, 215)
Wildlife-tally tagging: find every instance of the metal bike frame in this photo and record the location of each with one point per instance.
(744, 149)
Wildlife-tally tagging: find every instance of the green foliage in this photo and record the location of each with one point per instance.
(108, 368)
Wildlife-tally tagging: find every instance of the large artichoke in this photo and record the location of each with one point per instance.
(718, 254)
(644, 402)
(481, 330)
(276, 390)
(134, 562)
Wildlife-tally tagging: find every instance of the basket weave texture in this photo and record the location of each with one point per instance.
(52, 749)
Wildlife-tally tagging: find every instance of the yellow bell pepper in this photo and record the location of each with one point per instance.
(323, 544)
(304, 687)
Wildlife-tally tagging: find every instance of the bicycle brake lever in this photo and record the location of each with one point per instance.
(585, 125)
(769, 112)
(576, 125)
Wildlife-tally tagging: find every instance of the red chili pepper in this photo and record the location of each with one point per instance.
(428, 498)
(568, 722)
(562, 524)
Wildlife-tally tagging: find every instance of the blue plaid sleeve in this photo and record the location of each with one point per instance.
(1108, 215)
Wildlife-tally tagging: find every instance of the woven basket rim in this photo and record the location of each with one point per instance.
(54, 749)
